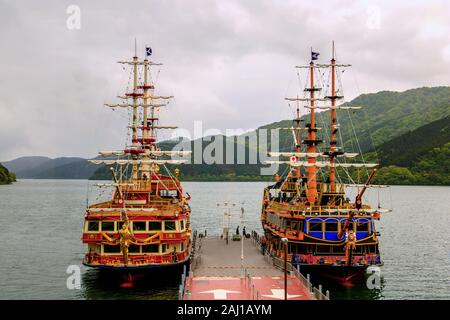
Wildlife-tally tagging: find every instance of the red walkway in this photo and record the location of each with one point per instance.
(235, 288)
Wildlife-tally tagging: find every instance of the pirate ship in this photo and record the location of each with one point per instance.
(146, 223)
(307, 208)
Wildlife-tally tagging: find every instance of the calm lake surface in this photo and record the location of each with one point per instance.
(41, 228)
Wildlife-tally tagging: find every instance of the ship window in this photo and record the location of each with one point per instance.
(323, 249)
(93, 225)
(181, 246)
(362, 226)
(181, 224)
(111, 249)
(132, 248)
(120, 224)
(338, 249)
(138, 225)
(169, 226)
(107, 226)
(331, 227)
(168, 193)
(151, 248)
(154, 226)
(315, 226)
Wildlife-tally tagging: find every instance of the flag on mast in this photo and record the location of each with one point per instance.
(148, 51)
(314, 55)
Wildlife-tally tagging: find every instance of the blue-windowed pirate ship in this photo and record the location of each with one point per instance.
(307, 208)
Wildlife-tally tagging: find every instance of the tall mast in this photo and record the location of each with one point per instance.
(298, 144)
(333, 126)
(135, 95)
(145, 140)
(312, 169)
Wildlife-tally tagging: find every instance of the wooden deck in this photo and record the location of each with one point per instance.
(217, 273)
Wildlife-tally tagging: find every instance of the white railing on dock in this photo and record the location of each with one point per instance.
(315, 293)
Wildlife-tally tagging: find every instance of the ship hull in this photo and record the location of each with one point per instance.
(146, 269)
(338, 274)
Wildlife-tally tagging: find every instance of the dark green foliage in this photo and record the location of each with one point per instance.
(6, 177)
(404, 150)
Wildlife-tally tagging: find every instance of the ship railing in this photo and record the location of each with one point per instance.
(137, 185)
(254, 294)
(182, 287)
(285, 208)
(315, 293)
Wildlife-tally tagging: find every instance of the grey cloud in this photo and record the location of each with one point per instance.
(229, 63)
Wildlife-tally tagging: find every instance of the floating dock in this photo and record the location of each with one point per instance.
(218, 272)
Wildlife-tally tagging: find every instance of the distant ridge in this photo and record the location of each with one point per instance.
(47, 168)
(408, 129)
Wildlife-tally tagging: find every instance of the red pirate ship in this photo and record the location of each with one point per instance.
(146, 223)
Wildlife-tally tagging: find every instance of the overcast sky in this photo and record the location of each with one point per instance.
(228, 63)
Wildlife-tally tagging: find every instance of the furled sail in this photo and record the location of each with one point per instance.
(122, 162)
(147, 152)
(322, 164)
(308, 154)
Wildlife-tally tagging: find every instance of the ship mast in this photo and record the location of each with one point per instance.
(145, 139)
(333, 128)
(311, 192)
(298, 142)
(134, 125)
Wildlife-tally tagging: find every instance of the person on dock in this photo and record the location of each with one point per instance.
(237, 230)
(243, 232)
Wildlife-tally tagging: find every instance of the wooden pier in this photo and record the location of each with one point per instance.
(218, 272)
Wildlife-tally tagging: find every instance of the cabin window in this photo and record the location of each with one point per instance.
(111, 249)
(138, 226)
(108, 226)
(323, 249)
(181, 246)
(181, 224)
(293, 248)
(93, 226)
(338, 249)
(363, 226)
(294, 225)
(132, 248)
(120, 224)
(154, 225)
(150, 248)
(315, 226)
(165, 247)
(169, 226)
(331, 227)
(168, 193)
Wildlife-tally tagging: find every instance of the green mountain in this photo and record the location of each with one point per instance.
(47, 168)
(385, 121)
(421, 156)
(384, 116)
(6, 177)
(406, 129)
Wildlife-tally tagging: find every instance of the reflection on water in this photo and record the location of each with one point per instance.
(103, 285)
(357, 290)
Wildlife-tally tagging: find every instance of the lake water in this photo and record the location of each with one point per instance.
(41, 228)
